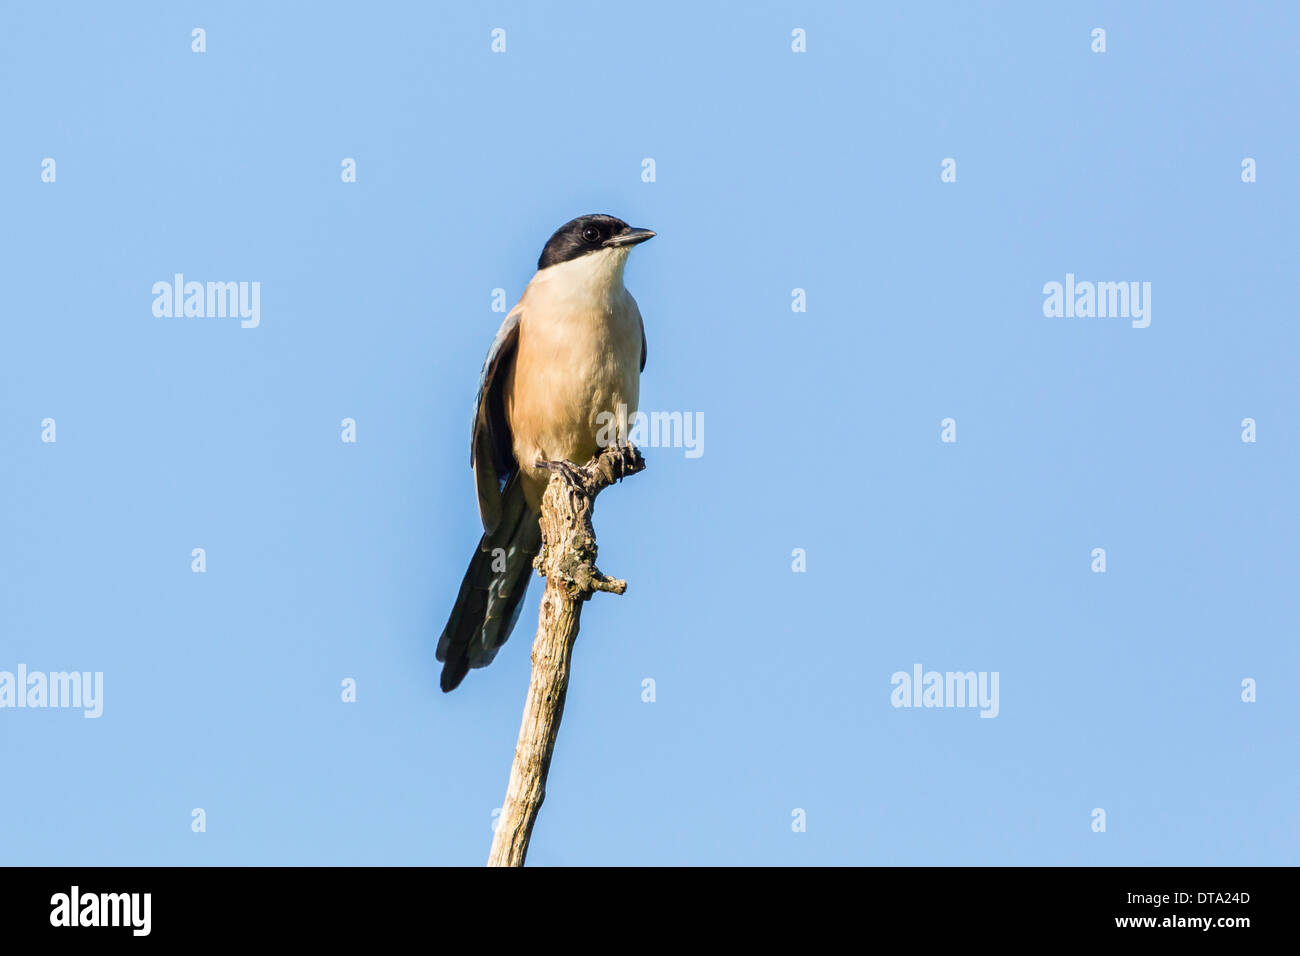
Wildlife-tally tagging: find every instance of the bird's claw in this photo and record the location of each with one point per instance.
(620, 459)
(566, 470)
(614, 463)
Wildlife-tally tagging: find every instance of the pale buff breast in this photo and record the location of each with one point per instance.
(579, 355)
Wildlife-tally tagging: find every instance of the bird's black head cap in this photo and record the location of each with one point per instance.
(588, 234)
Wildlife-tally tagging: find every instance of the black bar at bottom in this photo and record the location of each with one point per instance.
(235, 904)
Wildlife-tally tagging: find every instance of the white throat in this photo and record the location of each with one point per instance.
(597, 276)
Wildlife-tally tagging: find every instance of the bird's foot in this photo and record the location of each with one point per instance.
(618, 460)
(568, 471)
(612, 464)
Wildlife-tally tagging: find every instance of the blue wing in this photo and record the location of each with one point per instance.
(491, 452)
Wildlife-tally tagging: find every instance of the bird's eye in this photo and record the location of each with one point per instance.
(590, 234)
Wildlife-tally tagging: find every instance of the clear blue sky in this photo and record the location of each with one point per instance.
(775, 171)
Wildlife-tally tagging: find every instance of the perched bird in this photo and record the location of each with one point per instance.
(572, 349)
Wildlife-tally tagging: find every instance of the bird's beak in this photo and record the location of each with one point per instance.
(629, 237)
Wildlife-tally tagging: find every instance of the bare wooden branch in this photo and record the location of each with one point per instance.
(568, 560)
